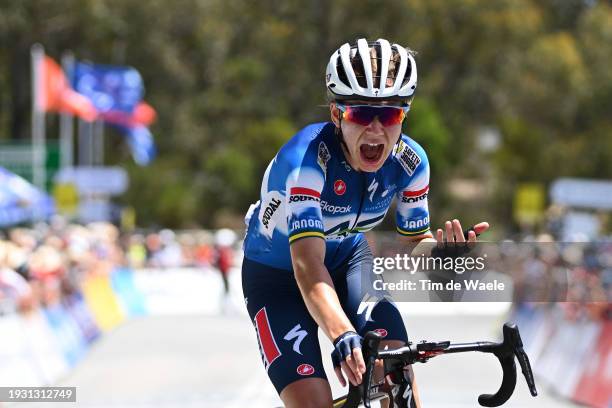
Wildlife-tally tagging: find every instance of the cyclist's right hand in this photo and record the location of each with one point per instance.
(347, 357)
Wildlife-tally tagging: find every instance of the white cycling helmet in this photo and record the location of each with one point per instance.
(344, 83)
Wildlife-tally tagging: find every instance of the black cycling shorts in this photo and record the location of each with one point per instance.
(286, 332)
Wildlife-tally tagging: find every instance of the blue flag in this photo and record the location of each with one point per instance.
(110, 88)
(141, 143)
(117, 92)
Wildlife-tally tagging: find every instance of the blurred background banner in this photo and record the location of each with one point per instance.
(20, 201)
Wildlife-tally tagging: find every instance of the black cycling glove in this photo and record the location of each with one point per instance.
(344, 345)
(452, 249)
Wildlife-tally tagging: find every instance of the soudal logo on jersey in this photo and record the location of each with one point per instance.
(415, 196)
(299, 194)
(412, 224)
(310, 224)
(270, 210)
(407, 157)
(305, 369)
(334, 209)
(339, 187)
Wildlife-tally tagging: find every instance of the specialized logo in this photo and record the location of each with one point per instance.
(367, 305)
(334, 209)
(267, 345)
(339, 187)
(346, 166)
(372, 188)
(298, 194)
(407, 157)
(415, 196)
(389, 188)
(323, 156)
(269, 211)
(382, 332)
(305, 369)
(298, 334)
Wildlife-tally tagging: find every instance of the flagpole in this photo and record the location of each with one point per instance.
(39, 150)
(84, 143)
(66, 119)
(99, 142)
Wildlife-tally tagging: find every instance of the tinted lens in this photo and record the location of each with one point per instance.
(364, 115)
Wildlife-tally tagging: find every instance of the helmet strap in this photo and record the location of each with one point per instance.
(340, 136)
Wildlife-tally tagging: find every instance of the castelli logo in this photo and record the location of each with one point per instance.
(382, 332)
(339, 187)
(305, 369)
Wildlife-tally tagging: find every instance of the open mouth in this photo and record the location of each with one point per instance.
(371, 152)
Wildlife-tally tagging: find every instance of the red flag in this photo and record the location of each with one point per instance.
(56, 95)
(143, 114)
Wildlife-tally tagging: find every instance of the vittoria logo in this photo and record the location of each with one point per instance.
(339, 187)
(305, 369)
(303, 194)
(407, 157)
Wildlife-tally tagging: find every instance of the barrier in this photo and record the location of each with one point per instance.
(573, 358)
(594, 387)
(45, 351)
(16, 366)
(66, 333)
(41, 346)
(102, 302)
(131, 299)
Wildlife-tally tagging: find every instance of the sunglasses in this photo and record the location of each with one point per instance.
(364, 114)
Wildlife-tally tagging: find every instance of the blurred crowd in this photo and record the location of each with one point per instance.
(573, 277)
(46, 264)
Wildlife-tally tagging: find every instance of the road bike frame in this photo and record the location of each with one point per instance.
(396, 360)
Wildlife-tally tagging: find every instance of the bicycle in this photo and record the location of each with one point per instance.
(396, 360)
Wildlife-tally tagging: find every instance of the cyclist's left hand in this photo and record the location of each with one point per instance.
(453, 232)
(347, 358)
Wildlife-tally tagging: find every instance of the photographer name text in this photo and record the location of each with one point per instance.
(426, 284)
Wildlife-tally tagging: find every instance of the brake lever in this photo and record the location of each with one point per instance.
(365, 383)
(370, 348)
(523, 360)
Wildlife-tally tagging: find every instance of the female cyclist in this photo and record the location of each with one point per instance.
(305, 253)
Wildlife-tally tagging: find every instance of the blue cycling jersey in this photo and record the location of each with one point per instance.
(310, 190)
